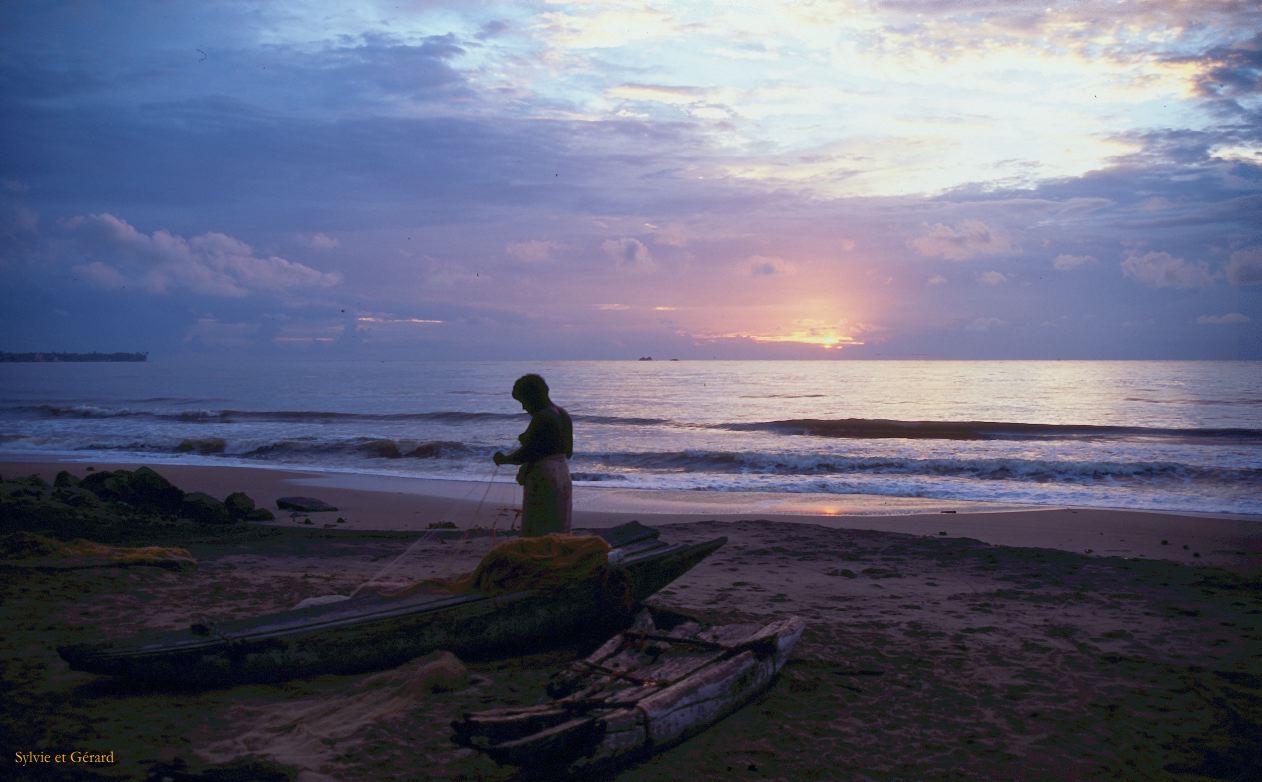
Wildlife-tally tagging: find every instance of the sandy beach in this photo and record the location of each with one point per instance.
(943, 642)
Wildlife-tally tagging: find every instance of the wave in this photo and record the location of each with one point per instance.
(879, 428)
(86, 411)
(366, 447)
(992, 469)
(305, 448)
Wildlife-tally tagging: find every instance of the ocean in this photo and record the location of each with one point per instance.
(1158, 435)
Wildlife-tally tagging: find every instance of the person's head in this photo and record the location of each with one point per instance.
(531, 391)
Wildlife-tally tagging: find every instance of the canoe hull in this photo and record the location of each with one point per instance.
(372, 633)
(615, 713)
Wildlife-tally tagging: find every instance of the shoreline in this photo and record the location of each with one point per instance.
(401, 504)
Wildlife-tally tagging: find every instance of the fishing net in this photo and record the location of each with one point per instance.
(30, 548)
(547, 562)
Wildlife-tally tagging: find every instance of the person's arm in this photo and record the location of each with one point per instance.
(534, 441)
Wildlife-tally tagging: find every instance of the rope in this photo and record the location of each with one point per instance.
(432, 533)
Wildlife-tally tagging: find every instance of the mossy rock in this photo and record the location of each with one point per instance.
(239, 504)
(204, 509)
(65, 480)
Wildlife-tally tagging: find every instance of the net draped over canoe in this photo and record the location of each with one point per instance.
(547, 562)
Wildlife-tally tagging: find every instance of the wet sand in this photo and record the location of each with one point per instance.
(1058, 644)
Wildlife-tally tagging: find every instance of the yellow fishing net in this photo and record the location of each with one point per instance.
(23, 547)
(545, 562)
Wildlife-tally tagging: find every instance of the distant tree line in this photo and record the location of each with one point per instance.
(30, 357)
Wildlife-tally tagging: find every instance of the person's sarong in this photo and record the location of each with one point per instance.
(547, 496)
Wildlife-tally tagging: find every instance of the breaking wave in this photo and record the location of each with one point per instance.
(986, 469)
(876, 428)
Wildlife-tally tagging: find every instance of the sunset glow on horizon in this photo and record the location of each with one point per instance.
(604, 180)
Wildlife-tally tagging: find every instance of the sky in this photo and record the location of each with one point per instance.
(608, 180)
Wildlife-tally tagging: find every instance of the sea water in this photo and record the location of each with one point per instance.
(1180, 436)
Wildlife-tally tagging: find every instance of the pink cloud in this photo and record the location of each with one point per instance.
(969, 239)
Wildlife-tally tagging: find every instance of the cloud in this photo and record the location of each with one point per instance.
(658, 93)
(983, 324)
(116, 254)
(969, 239)
(936, 279)
(671, 235)
(606, 28)
(211, 332)
(992, 278)
(531, 250)
(1245, 266)
(764, 266)
(1230, 319)
(1163, 270)
(101, 275)
(1065, 262)
(629, 254)
(322, 241)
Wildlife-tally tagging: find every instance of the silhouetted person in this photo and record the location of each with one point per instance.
(547, 494)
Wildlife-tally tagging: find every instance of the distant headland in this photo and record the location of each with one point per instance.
(34, 357)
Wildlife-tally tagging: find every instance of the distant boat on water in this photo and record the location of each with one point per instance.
(41, 357)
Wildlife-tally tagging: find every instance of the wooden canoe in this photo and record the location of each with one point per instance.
(642, 691)
(372, 632)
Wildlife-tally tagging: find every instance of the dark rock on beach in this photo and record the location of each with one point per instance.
(204, 509)
(65, 480)
(304, 504)
(242, 507)
(239, 504)
(142, 488)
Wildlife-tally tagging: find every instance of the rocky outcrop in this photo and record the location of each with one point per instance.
(143, 489)
(304, 504)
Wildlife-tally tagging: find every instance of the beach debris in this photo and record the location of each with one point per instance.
(304, 504)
